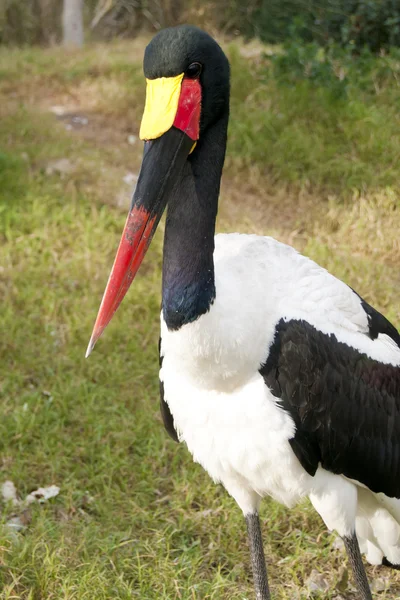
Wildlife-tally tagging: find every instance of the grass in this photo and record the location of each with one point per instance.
(302, 132)
(135, 518)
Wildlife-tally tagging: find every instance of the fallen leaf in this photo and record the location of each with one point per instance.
(58, 110)
(9, 493)
(78, 120)
(380, 584)
(42, 494)
(61, 166)
(15, 524)
(130, 178)
(316, 582)
(338, 544)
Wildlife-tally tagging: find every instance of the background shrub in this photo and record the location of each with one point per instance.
(355, 23)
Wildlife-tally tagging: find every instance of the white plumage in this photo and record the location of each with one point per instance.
(232, 424)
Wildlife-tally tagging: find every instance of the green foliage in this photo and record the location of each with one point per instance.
(273, 20)
(30, 21)
(308, 62)
(369, 23)
(18, 23)
(306, 116)
(356, 23)
(335, 68)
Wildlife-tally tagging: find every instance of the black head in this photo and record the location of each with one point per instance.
(184, 127)
(188, 49)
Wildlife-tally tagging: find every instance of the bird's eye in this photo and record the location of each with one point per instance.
(194, 70)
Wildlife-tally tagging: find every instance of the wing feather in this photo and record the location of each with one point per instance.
(346, 406)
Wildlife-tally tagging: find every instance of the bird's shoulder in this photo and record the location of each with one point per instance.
(290, 286)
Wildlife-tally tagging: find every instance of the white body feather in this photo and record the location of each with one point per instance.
(227, 416)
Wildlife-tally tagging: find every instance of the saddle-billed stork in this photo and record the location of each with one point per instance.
(280, 379)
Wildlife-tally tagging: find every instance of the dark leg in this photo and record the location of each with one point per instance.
(257, 557)
(354, 554)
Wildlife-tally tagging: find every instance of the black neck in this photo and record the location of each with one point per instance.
(188, 266)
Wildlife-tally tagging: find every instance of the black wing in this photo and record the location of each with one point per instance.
(346, 406)
(167, 417)
(378, 323)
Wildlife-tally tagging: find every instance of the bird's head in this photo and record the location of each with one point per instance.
(189, 67)
(187, 77)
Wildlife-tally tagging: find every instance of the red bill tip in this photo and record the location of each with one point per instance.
(135, 240)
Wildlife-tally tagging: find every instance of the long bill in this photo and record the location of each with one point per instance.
(170, 128)
(163, 160)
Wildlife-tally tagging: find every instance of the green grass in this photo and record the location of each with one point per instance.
(303, 132)
(135, 518)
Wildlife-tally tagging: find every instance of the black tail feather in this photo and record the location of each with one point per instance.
(387, 563)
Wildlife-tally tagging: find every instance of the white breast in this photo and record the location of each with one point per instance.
(240, 437)
(222, 409)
